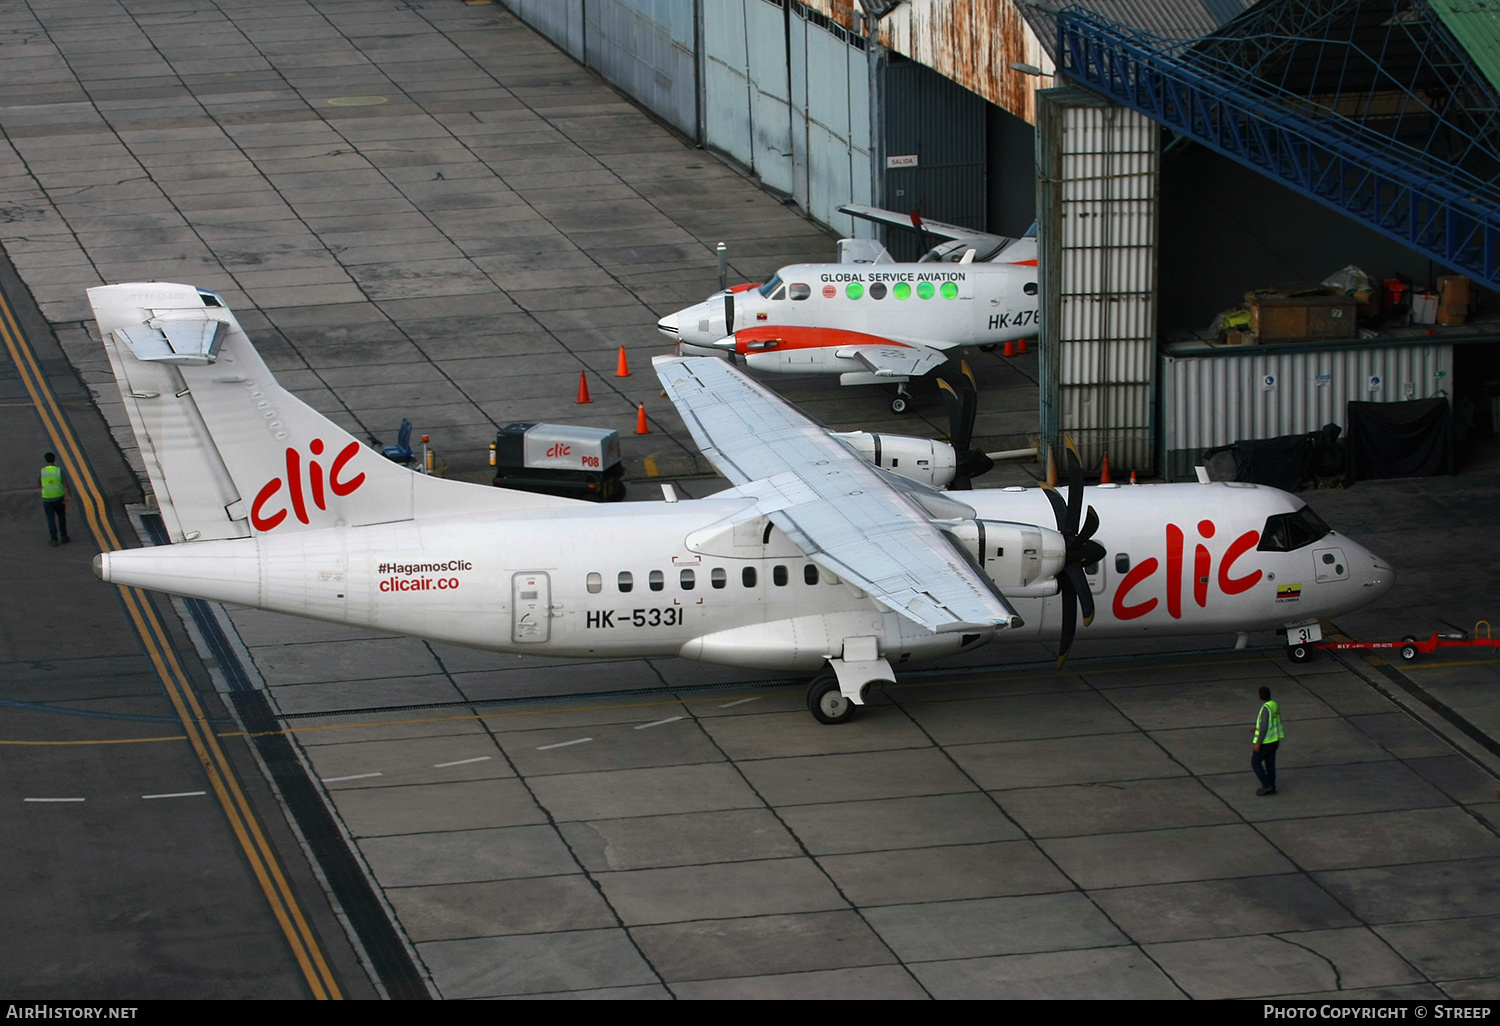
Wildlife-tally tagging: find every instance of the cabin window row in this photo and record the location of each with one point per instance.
(718, 577)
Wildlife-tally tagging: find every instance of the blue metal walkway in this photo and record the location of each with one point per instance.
(1298, 110)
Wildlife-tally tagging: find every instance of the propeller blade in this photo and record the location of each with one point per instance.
(954, 404)
(1080, 582)
(970, 406)
(1059, 508)
(1090, 525)
(1075, 488)
(1069, 618)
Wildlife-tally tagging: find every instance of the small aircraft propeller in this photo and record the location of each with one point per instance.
(1082, 551)
(970, 463)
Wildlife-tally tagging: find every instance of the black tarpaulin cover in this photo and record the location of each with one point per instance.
(1406, 439)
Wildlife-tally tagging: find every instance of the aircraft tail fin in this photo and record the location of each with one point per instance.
(229, 451)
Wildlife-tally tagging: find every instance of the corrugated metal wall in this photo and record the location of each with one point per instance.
(1098, 168)
(830, 89)
(786, 96)
(559, 20)
(1226, 397)
(747, 103)
(645, 47)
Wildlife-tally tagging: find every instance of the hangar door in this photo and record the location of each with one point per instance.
(935, 151)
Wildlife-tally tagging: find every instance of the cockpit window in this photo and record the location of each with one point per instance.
(1286, 532)
(797, 290)
(771, 286)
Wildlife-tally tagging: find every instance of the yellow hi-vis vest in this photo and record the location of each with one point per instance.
(52, 486)
(1271, 713)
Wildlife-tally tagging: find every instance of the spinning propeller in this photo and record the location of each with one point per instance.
(1082, 550)
(969, 463)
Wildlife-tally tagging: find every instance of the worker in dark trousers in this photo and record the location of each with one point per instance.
(54, 500)
(1268, 735)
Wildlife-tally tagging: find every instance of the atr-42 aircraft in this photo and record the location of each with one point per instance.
(867, 318)
(817, 559)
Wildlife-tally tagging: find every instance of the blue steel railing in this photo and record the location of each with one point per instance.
(1402, 193)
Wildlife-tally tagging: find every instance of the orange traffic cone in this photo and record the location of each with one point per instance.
(583, 388)
(640, 418)
(623, 370)
(1132, 478)
(1104, 471)
(1021, 349)
(1010, 348)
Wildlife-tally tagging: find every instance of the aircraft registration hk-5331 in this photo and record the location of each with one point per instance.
(817, 559)
(867, 318)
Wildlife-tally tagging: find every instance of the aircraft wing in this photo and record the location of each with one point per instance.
(836, 507)
(984, 242)
(889, 361)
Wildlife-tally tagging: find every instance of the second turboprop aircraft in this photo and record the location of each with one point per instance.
(867, 318)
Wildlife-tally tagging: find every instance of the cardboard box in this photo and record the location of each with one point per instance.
(1303, 318)
(1240, 337)
(1446, 317)
(1453, 293)
(1369, 302)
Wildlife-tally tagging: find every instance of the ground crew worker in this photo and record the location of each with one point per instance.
(1268, 735)
(54, 499)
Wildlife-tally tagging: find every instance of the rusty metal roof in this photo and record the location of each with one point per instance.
(1170, 19)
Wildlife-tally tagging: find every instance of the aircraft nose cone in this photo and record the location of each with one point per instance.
(668, 325)
(1380, 578)
(101, 566)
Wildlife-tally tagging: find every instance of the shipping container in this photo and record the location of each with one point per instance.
(1218, 396)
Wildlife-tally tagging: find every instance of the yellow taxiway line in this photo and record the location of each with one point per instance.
(153, 635)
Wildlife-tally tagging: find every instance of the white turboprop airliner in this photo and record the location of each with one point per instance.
(868, 319)
(817, 560)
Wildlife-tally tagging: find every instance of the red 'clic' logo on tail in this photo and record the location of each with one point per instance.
(293, 483)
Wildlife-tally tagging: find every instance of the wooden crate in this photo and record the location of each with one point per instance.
(1304, 318)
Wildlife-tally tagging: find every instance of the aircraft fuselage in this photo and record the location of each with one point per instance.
(807, 318)
(682, 579)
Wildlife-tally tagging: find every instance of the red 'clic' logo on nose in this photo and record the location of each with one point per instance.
(293, 484)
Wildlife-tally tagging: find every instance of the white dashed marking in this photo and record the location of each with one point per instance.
(742, 701)
(52, 799)
(356, 776)
(564, 744)
(460, 762)
(177, 794)
(658, 723)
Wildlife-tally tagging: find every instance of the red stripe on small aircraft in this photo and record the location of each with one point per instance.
(796, 337)
(1024, 263)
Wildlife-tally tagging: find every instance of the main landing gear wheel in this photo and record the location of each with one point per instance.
(826, 702)
(1299, 653)
(898, 404)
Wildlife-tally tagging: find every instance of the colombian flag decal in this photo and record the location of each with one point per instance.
(1288, 592)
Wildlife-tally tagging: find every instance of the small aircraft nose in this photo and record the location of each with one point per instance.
(668, 325)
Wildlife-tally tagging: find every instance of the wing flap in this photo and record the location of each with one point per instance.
(896, 361)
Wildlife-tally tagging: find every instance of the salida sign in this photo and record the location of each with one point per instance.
(293, 482)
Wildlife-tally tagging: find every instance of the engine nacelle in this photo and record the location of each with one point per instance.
(1022, 559)
(922, 460)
